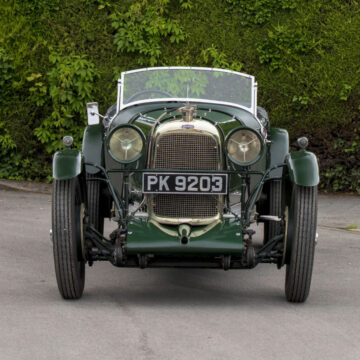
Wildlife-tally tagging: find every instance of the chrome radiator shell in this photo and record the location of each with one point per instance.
(178, 146)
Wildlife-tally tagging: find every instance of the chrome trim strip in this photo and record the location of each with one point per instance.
(188, 68)
(141, 215)
(202, 127)
(228, 216)
(119, 91)
(193, 234)
(191, 221)
(254, 98)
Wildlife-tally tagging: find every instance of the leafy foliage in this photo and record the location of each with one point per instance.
(143, 28)
(283, 44)
(259, 11)
(70, 86)
(55, 56)
(6, 142)
(32, 7)
(6, 73)
(339, 178)
(217, 59)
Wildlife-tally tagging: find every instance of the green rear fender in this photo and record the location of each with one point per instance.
(67, 164)
(303, 168)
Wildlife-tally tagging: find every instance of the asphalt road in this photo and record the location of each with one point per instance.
(175, 314)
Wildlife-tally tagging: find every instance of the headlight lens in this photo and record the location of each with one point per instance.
(126, 144)
(244, 147)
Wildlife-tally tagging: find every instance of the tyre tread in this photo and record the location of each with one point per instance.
(299, 271)
(70, 281)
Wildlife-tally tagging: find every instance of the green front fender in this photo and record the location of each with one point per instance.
(303, 168)
(279, 149)
(92, 147)
(67, 164)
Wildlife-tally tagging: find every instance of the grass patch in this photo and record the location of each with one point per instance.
(352, 227)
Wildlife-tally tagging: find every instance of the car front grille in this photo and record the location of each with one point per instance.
(185, 206)
(186, 151)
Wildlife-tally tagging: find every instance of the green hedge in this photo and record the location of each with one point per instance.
(57, 55)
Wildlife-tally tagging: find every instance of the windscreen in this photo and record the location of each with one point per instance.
(187, 84)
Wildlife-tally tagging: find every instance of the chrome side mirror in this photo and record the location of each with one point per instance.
(93, 113)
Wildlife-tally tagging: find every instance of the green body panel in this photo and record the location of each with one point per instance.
(92, 147)
(67, 164)
(218, 113)
(279, 149)
(303, 168)
(144, 117)
(145, 238)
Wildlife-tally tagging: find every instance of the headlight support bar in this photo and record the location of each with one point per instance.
(254, 195)
(246, 206)
(118, 205)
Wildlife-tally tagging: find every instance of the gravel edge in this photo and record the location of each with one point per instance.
(36, 187)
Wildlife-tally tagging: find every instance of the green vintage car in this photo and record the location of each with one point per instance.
(188, 167)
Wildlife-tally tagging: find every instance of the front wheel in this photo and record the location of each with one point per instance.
(67, 226)
(301, 236)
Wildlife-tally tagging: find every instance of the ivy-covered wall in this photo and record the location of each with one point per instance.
(56, 55)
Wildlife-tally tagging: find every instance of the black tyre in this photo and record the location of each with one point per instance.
(301, 243)
(273, 228)
(94, 206)
(67, 226)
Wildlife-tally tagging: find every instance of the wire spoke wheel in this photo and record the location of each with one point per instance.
(67, 225)
(300, 246)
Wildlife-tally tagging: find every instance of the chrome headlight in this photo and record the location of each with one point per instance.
(244, 146)
(126, 144)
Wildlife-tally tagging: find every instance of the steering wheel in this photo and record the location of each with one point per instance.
(132, 97)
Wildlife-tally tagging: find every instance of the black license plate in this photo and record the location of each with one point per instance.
(184, 183)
